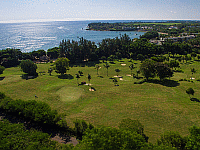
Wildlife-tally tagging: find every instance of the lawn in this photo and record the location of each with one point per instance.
(158, 107)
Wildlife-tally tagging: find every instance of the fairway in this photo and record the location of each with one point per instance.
(159, 107)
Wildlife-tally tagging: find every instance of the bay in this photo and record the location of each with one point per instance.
(44, 35)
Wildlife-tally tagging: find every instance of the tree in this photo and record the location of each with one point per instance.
(190, 91)
(80, 73)
(133, 126)
(193, 54)
(117, 71)
(193, 142)
(163, 71)
(172, 139)
(2, 68)
(28, 67)
(131, 67)
(193, 71)
(89, 78)
(174, 64)
(138, 72)
(62, 64)
(77, 77)
(107, 66)
(147, 68)
(140, 57)
(97, 67)
(115, 81)
(111, 139)
(50, 70)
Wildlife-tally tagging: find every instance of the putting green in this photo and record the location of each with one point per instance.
(69, 94)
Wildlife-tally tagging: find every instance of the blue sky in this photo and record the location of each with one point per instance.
(22, 10)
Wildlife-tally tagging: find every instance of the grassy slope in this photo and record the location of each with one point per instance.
(159, 108)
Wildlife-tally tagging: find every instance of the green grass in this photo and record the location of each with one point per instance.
(159, 108)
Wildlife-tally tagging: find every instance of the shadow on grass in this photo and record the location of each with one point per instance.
(166, 82)
(66, 76)
(100, 76)
(111, 62)
(1, 78)
(195, 99)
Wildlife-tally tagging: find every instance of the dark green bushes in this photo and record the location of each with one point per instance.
(14, 136)
(33, 111)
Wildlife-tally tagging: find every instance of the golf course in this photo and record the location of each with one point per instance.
(159, 105)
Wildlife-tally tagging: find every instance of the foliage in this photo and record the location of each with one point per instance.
(111, 138)
(193, 142)
(80, 127)
(62, 64)
(2, 95)
(50, 70)
(89, 78)
(106, 65)
(34, 111)
(10, 57)
(2, 68)
(97, 67)
(133, 126)
(77, 77)
(172, 139)
(28, 67)
(150, 35)
(174, 64)
(14, 136)
(80, 73)
(131, 67)
(147, 69)
(163, 71)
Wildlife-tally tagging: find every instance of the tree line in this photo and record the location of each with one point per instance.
(109, 49)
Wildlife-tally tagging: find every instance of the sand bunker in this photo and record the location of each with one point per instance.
(123, 64)
(117, 76)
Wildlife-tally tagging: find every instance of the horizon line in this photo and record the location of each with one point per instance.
(85, 19)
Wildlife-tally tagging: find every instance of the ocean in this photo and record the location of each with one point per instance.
(45, 35)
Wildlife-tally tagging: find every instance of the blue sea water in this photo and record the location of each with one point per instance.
(44, 35)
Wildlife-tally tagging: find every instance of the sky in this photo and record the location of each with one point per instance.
(52, 10)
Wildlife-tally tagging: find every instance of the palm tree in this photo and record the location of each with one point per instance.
(131, 67)
(50, 71)
(80, 73)
(138, 72)
(115, 81)
(77, 77)
(107, 66)
(97, 67)
(89, 78)
(193, 71)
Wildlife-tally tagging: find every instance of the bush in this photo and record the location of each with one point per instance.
(111, 139)
(2, 95)
(2, 68)
(28, 67)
